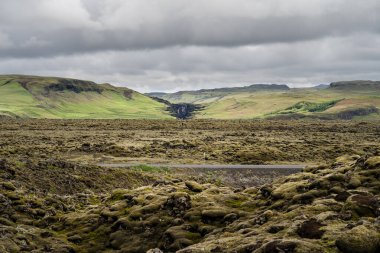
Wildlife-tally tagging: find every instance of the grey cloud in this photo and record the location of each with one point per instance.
(144, 24)
(170, 69)
(169, 45)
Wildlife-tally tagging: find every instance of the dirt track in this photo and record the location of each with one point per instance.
(207, 166)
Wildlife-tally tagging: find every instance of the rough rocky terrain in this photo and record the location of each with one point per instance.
(54, 199)
(332, 208)
(193, 141)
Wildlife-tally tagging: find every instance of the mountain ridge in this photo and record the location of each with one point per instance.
(355, 84)
(177, 96)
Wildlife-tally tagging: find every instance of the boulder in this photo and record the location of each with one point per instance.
(289, 246)
(363, 204)
(373, 162)
(213, 215)
(178, 203)
(194, 186)
(310, 229)
(360, 239)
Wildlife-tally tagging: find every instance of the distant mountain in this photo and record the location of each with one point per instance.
(53, 97)
(250, 88)
(203, 95)
(358, 84)
(321, 86)
(156, 94)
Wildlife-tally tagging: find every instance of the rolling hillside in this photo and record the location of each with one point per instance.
(51, 97)
(340, 100)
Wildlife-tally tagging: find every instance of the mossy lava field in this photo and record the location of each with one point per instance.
(54, 196)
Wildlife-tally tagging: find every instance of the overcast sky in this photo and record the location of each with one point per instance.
(170, 45)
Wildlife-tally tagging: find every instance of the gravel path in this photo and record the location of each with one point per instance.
(207, 166)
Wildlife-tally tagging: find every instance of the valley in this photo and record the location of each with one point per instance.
(65, 98)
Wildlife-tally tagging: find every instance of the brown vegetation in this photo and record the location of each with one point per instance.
(195, 141)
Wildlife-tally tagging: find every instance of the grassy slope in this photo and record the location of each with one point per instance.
(268, 103)
(110, 103)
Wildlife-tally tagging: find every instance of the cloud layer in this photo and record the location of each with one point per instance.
(178, 44)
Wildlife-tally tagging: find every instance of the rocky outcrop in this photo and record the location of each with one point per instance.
(351, 113)
(180, 111)
(73, 85)
(184, 110)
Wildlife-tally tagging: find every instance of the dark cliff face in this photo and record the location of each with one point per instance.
(183, 111)
(180, 111)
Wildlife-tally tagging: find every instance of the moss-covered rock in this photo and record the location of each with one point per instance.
(177, 203)
(178, 237)
(313, 211)
(373, 162)
(8, 186)
(194, 186)
(294, 246)
(288, 189)
(310, 229)
(213, 215)
(120, 194)
(363, 204)
(360, 239)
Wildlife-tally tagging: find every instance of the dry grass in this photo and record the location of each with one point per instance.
(159, 141)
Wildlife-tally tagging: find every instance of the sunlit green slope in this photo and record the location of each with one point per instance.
(299, 103)
(50, 97)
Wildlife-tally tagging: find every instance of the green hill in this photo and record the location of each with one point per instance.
(341, 100)
(52, 97)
